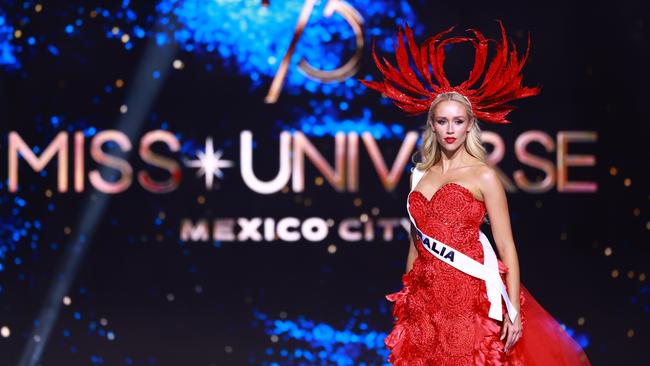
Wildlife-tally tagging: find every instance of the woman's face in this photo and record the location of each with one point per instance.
(450, 123)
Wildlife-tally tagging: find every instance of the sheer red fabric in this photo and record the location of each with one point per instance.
(441, 313)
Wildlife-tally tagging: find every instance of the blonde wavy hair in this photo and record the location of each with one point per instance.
(430, 150)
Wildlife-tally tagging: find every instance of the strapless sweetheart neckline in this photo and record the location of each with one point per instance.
(463, 189)
(442, 306)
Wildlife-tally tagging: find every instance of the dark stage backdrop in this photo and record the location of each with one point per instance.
(207, 183)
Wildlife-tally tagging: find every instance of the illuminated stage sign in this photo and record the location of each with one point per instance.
(294, 148)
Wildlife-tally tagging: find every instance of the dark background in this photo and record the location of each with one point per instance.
(590, 59)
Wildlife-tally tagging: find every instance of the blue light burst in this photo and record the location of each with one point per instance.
(581, 338)
(7, 57)
(325, 119)
(307, 342)
(17, 231)
(254, 38)
(250, 39)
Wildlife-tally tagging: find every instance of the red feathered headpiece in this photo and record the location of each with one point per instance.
(501, 83)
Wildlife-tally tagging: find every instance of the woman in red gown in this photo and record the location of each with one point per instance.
(444, 314)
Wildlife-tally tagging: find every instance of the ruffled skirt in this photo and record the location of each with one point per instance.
(413, 340)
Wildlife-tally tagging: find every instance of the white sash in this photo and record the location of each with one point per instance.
(488, 271)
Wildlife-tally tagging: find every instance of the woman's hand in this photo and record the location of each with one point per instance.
(511, 332)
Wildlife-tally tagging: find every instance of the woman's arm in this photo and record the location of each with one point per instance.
(413, 253)
(497, 207)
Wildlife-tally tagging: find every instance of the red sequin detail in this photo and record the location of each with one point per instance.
(441, 312)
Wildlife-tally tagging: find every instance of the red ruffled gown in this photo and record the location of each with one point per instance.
(441, 313)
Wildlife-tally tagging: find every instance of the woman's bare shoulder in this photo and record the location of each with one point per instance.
(486, 175)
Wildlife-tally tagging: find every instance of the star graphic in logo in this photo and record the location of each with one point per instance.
(209, 163)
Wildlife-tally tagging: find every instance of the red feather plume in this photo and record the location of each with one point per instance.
(501, 83)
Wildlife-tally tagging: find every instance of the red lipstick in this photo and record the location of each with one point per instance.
(450, 140)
